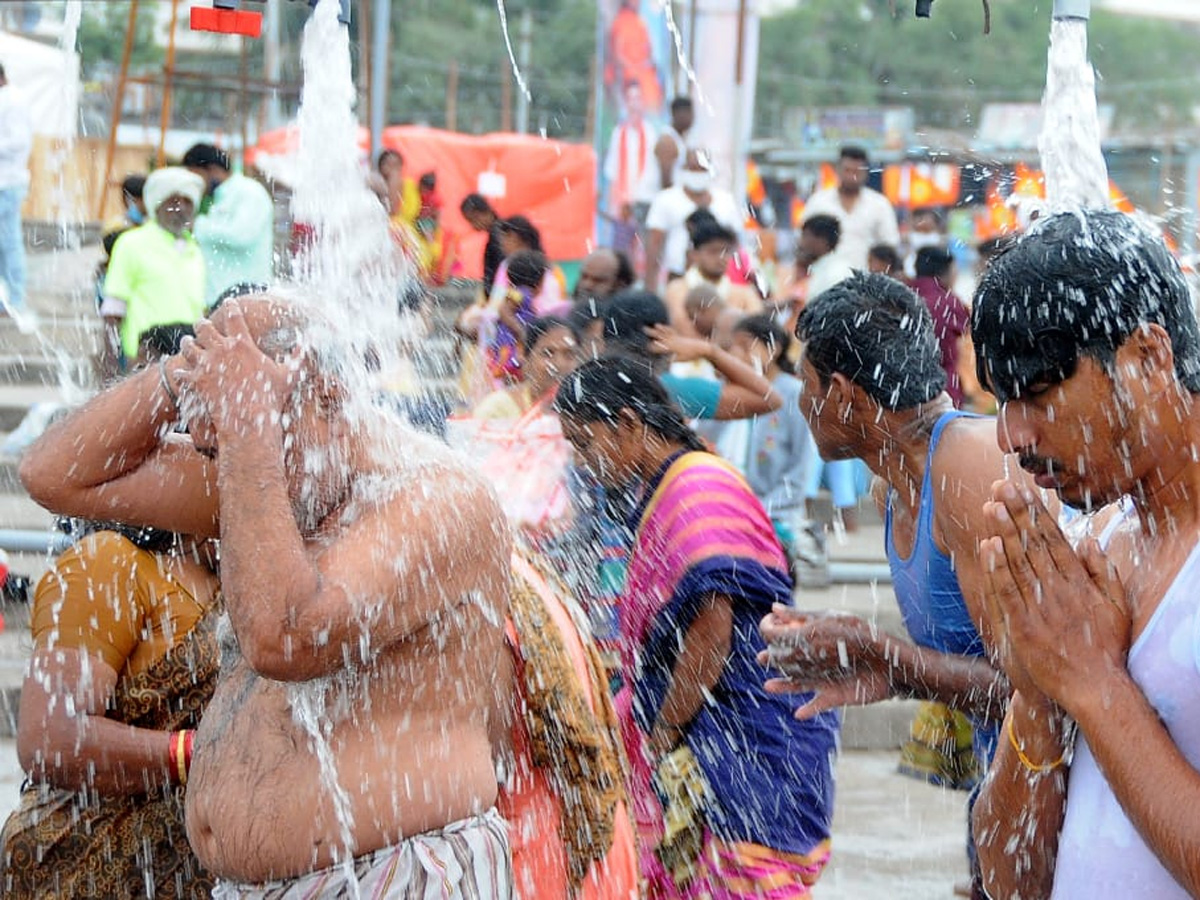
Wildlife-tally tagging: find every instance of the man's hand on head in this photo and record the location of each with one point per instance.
(229, 381)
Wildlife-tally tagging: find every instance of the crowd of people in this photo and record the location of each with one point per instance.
(572, 654)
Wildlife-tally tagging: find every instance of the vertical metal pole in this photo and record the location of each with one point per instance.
(118, 104)
(380, 44)
(505, 95)
(168, 72)
(271, 65)
(364, 56)
(525, 38)
(1191, 218)
(243, 106)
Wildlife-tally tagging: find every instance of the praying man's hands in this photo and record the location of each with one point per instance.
(843, 659)
(1061, 616)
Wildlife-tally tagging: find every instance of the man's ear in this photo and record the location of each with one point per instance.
(842, 394)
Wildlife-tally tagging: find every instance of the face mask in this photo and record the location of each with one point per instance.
(135, 215)
(919, 239)
(695, 181)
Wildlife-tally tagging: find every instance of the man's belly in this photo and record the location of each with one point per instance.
(267, 801)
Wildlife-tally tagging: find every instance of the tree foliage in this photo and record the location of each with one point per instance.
(102, 28)
(849, 52)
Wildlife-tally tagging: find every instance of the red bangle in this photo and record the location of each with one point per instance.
(179, 755)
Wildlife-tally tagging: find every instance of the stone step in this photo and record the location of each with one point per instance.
(63, 338)
(43, 369)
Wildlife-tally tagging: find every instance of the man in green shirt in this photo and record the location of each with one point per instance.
(156, 275)
(237, 230)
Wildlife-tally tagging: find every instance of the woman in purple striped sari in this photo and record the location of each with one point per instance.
(733, 796)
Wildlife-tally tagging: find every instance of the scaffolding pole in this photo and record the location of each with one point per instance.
(110, 148)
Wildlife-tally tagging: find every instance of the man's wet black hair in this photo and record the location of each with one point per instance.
(626, 318)
(475, 203)
(540, 327)
(586, 311)
(852, 151)
(599, 389)
(523, 229)
(771, 335)
(240, 289)
(201, 156)
(698, 218)
(707, 232)
(877, 333)
(626, 276)
(1078, 284)
(933, 262)
(827, 228)
(133, 185)
(886, 253)
(527, 268)
(164, 340)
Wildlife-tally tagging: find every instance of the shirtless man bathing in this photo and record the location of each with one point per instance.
(365, 583)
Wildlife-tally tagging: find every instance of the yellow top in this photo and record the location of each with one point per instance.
(111, 599)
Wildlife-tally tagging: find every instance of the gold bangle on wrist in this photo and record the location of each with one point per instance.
(1026, 761)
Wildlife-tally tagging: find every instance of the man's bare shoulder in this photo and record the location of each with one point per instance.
(967, 462)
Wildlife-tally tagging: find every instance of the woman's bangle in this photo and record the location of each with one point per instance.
(1026, 761)
(179, 754)
(166, 383)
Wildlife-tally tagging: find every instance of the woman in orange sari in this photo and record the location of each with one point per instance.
(124, 662)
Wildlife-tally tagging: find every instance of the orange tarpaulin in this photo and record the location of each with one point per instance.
(553, 183)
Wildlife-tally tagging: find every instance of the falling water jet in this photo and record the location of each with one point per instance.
(1076, 175)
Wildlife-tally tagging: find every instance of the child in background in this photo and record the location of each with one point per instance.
(526, 270)
(775, 451)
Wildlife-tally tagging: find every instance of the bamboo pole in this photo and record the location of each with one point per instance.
(110, 148)
(168, 69)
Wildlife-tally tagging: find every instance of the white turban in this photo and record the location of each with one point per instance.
(166, 182)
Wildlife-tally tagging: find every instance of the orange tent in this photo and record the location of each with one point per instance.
(553, 183)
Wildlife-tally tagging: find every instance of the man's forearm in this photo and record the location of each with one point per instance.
(1019, 812)
(110, 435)
(742, 375)
(968, 684)
(266, 575)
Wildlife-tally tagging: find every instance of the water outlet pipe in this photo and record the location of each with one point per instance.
(1072, 9)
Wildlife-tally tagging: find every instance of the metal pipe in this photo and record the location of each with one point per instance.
(860, 573)
(1072, 9)
(381, 14)
(17, 541)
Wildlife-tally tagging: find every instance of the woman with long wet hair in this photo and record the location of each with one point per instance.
(746, 790)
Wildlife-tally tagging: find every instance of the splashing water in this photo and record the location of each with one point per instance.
(503, 11)
(1076, 175)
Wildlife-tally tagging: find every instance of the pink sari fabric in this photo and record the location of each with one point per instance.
(698, 511)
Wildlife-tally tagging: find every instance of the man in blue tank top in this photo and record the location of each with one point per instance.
(874, 389)
(1085, 331)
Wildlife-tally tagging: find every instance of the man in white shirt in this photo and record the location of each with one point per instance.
(16, 140)
(666, 223)
(865, 215)
(629, 164)
(671, 150)
(818, 249)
